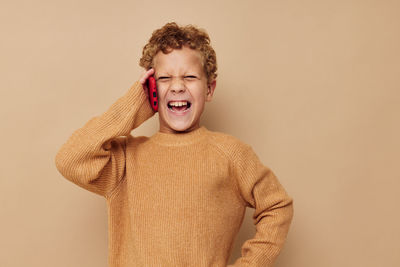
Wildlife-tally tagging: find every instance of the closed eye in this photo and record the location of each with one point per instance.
(187, 77)
(163, 78)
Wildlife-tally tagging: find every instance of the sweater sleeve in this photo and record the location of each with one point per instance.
(94, 156)
(273, 210)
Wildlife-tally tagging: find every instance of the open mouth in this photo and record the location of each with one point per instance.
(179, 106)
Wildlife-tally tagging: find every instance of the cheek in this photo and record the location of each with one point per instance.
(161, 94)
(201, 99)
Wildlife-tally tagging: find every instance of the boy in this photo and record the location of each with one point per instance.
(176, 198)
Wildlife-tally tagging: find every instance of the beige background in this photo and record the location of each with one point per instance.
(313, 86)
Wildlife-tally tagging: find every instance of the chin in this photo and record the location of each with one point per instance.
(180, 127)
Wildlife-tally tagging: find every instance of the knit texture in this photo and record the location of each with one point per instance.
(175, 199)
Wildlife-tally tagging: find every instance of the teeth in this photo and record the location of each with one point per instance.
(178, 103)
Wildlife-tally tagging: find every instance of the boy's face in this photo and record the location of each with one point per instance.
(182, 89)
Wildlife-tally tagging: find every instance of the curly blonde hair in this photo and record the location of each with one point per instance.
(171, 36)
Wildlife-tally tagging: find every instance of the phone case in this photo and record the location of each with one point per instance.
(151, 84)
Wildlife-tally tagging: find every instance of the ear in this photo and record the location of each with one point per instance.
(210, 90)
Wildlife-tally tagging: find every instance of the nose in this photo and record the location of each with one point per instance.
(177, 86)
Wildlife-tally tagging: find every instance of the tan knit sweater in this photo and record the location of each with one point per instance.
(175, 199)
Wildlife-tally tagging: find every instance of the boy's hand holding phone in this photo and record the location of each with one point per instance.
(149, 85)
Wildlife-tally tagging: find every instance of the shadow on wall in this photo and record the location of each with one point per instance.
(218, 114)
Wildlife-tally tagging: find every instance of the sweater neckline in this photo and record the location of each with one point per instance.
(177, 139)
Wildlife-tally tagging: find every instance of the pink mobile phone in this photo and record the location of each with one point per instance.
(151, 84)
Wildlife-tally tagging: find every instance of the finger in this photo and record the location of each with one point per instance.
(145, 75)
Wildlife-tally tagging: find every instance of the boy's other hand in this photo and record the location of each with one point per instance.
(143, 80)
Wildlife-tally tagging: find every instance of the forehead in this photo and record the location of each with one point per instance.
(184, 59)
